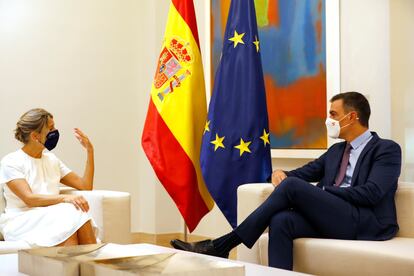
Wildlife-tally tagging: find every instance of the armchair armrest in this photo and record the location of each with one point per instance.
(249, 197)
(111, 212)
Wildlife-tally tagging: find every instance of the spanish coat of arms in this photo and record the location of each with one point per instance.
(173, 66)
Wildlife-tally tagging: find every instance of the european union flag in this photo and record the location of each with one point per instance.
(235, 148)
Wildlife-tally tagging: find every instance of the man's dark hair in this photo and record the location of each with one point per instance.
(354, 101)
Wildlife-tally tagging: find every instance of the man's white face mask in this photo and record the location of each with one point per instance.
(333, 127)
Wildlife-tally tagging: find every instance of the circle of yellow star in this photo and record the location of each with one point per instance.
(237, 38)
(256, 42)
(218, 143)
(265, 137)
(207, 127)
(243, 147)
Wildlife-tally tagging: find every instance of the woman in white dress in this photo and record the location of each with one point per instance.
(35, 211)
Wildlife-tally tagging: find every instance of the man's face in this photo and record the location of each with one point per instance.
(336, 111)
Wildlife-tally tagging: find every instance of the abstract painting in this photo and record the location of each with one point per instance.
(293, 49)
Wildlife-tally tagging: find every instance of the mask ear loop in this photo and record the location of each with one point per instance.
(341, 127)
(356, 116)
(37, 140)
(351, 113)
(349, 123)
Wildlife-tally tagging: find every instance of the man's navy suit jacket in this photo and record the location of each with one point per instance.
(373, 184)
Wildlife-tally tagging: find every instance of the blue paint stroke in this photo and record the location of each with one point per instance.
(289, 51)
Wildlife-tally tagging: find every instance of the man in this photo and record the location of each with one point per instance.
(353, 200)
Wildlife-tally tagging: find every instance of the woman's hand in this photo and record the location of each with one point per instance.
(277, 177)
(83, 140)
(86, 182)
(77, 200)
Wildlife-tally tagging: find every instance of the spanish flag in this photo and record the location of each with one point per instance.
(177, 114)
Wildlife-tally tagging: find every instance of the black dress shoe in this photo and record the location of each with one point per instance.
(205, 247)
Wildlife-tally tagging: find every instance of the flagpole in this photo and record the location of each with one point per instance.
(185, 232)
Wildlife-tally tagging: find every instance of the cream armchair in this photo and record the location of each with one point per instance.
(339, 257)
(110, 210)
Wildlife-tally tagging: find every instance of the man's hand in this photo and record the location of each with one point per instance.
(83, 139)
(277, 177)
(77, 200)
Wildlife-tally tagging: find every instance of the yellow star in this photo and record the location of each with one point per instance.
(256, 42)
(244, 146)
(265, 137)
(218, 143)
(237, 38)
(207, 127)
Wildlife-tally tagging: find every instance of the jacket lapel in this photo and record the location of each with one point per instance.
(335, 163)
(367, 148)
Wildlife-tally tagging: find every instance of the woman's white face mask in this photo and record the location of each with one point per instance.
(333, 127)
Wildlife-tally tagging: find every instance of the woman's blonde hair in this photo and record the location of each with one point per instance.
(33, 120)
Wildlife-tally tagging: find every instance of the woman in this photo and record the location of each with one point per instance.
(35, 211)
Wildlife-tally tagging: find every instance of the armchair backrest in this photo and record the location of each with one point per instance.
(2, 201)
(2, 206)
(404, 201)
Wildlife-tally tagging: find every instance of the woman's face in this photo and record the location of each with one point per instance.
(46, 129)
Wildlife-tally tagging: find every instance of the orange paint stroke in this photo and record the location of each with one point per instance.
(225, 7)
(299, 106)
(273, 13)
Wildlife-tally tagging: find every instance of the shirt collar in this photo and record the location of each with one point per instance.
(361, 139)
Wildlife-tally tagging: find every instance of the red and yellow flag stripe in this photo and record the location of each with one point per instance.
(176, 115)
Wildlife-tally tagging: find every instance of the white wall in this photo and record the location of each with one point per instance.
(402, 81)
(365, 57)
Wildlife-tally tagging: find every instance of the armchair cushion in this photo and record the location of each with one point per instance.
(345, 257)
(2, 206)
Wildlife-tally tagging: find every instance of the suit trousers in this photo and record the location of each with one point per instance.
(298, 209)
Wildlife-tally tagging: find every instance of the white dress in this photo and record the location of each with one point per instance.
(38, 226)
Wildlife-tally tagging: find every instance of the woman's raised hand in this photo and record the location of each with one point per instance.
(83, 139)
